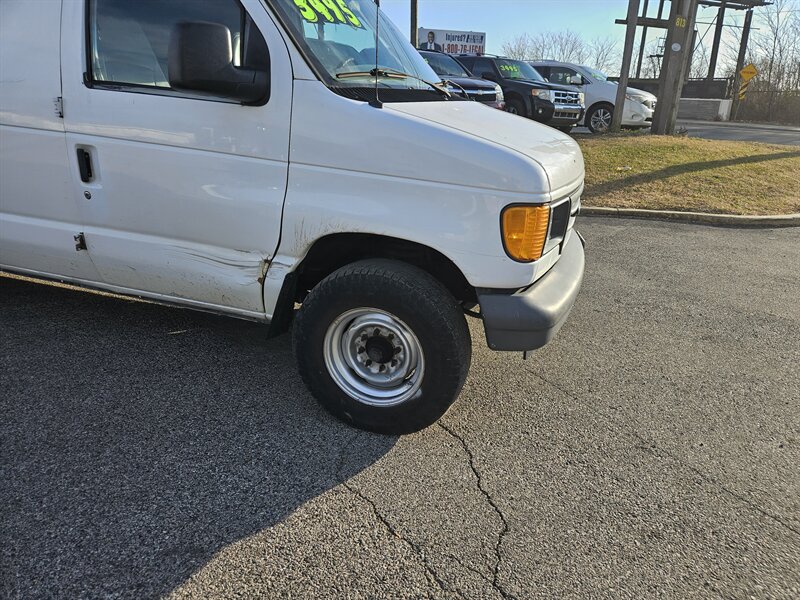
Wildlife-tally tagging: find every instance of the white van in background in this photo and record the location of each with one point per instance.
(601, 95)
(233, 156)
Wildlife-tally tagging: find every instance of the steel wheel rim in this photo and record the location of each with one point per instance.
(601, 120)
(513, 110)
(374, 357)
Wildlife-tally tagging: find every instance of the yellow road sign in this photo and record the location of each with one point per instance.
(743, 89)
(748, 72)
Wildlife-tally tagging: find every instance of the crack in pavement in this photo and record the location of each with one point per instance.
(650, 447)
(504, 529)
(430, 573)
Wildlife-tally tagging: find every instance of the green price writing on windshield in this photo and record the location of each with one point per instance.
(510, 68)
(327, 11)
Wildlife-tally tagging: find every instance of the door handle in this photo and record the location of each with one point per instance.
(85, 165)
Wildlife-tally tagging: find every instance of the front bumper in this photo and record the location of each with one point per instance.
(530, 318)
(566, 114)
(542, 110)
(637, 115)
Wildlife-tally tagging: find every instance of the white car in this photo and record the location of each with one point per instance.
(601, 95)
(233, 157)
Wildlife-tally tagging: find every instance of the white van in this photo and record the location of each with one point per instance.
(231, 156)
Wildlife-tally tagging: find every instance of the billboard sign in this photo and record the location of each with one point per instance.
(452, 42)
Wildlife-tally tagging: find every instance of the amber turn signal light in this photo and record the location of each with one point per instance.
(525, 231)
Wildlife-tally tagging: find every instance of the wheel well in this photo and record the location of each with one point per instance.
(517, 97)
(335, 251)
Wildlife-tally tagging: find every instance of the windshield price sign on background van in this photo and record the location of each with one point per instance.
(452, 42)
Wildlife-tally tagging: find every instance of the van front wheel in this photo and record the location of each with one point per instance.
(383, 346)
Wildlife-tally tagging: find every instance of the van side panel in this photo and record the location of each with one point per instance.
(38, 212)
(187, 192)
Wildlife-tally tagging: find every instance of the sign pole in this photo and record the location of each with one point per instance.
(414, 22)
(748, 22)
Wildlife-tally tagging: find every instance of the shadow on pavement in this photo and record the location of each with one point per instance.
(138, 440)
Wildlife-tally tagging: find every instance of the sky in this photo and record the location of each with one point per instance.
(503, 20)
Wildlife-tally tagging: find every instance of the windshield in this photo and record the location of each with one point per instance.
(444, 65)
(516, 69)
(338, 36)
(596, 75)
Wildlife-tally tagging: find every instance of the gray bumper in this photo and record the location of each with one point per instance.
(531, 318)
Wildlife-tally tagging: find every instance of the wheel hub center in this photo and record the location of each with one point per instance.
(379, 350)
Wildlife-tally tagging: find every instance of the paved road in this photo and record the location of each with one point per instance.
(745, 133)
(651, 451)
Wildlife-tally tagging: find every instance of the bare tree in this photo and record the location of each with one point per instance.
(566, 46)
(519, 48)
(604, 54)
(700, 62)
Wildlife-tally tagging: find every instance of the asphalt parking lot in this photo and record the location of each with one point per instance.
(651, 451)
(744, 132)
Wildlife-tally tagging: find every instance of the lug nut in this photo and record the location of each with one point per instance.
(361, 350)
(368, 363)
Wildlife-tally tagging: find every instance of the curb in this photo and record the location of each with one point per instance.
(698, 218)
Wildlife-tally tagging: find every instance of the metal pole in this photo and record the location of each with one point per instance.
(748, 22)
(622, 88)
(414, 21)
(644, 41)
(712, 64)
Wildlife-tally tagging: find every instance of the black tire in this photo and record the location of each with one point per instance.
(422, 304)
(593, 118)
(565, 129)
(516, 107)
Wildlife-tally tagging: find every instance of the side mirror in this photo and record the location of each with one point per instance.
(576, 80)
(200, 59)
(489, 75)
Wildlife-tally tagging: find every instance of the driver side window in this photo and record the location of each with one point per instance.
(562, 75)
(130, 40)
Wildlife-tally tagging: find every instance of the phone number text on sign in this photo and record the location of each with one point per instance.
(462, 49)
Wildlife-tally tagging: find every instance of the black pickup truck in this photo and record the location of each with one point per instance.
(526, 91)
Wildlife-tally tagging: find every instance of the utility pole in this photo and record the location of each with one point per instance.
(677, 53)
(622, 88)
(712, 63)
(414, 22)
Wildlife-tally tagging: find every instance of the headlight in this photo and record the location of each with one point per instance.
(543, 94)
(639, 99)
(582, 98)
(499, 93)
(525, 231)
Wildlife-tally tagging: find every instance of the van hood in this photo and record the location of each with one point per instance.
(556, 153)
